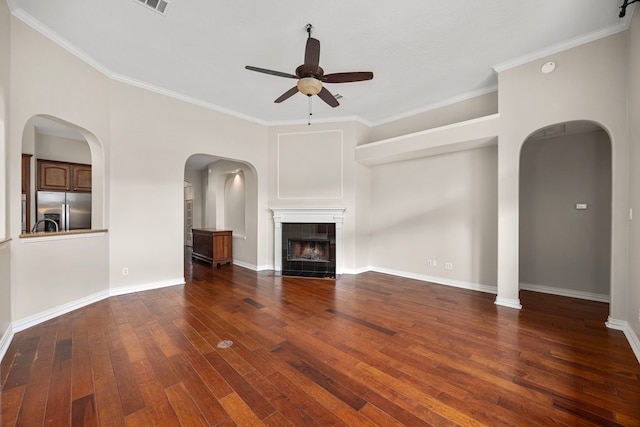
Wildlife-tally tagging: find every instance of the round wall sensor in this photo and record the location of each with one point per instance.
(548, 67)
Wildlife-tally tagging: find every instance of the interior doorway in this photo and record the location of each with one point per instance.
(565, 211)
(224, 197)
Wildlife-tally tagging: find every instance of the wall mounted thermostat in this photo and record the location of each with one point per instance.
(581, 206)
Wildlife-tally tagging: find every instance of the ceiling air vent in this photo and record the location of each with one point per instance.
(159, 6)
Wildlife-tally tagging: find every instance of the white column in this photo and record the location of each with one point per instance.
(277, 243)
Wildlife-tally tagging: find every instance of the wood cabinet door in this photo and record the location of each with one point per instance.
(55, 176)
(203, 245)
(26, 173)
(222, 246)
(82, 178)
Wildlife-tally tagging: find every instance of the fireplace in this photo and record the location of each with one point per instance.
(308, 241)
(308, 249)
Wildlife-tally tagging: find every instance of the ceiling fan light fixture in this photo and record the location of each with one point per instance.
(309, 86)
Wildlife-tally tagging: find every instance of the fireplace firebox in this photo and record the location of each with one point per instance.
(309, 249)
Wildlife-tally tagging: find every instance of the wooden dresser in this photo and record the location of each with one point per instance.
(214, 246)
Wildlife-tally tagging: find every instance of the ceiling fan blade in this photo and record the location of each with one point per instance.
(327, 97)
(288, 94)
(272, 72)
(357, 76)
(312, 53)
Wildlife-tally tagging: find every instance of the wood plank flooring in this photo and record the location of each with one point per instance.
(362, 350)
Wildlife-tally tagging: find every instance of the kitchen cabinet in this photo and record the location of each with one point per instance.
(63, 176)
(213, 246)
(81, 178)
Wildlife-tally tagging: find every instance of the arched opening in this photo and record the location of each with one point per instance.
(223, 196)
(565, 211)
(62, 175)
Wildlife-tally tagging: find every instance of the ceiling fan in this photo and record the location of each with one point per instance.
(310, 75)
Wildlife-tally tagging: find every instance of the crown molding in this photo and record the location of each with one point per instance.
(551, 50)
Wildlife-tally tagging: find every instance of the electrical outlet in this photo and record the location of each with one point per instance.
(125, 271)
(448, 266)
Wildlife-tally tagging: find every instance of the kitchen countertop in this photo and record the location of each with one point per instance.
(60, 233)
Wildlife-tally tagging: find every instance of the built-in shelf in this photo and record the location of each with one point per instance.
(467, 135)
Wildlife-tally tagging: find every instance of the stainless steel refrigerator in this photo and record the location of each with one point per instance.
(71, 211)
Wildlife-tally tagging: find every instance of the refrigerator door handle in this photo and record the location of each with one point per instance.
(66, 217)
(63, 217)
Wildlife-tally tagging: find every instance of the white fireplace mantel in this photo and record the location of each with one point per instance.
(329, 215)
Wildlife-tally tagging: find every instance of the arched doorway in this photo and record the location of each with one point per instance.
(565, 211)
(224, 195)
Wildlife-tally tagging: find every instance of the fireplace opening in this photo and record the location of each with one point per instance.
(309, 250)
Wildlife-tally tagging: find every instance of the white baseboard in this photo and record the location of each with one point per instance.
(146, 287)
(508, 302)
(49, 314)
(357, 270)
(5, 341)
(623, 325)
(245, 265)
(43, 316)
(265, 267)
(438, 280)
(565, 292)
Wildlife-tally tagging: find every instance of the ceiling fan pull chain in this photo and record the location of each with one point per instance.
(310, 112)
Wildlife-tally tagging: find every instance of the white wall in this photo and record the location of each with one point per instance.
(51, 147)
(455, 112)
(633, 295)
(580, 88)
(234, 203)
(69, 89)
(153, 136)
(5, 253)
(560, 246)
(441, 208)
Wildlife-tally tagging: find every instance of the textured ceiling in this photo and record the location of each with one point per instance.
(423, 53)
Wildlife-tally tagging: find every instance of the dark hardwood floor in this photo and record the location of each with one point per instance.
(370, 349)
